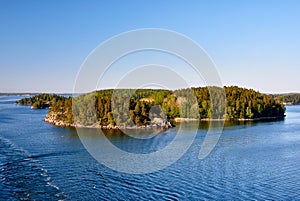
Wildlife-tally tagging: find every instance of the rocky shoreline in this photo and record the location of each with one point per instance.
(179, 120)
(51, 119)
(156, 123)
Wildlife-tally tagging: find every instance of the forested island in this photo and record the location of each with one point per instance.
(288, 99)
(41, 101)
(104, 109)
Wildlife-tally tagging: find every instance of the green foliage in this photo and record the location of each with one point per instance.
(126, 107)
(248, 104)
(63, 110)
(40, 101)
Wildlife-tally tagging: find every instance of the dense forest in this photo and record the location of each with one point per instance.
(128, 107)
(41, 101)
(288, 99)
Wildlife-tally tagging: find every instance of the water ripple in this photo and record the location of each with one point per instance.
(23, 177)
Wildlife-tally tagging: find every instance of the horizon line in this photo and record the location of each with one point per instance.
(53, 92)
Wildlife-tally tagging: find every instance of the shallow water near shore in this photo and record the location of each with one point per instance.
(252, 160)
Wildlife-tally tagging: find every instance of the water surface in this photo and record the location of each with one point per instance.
(251, 161)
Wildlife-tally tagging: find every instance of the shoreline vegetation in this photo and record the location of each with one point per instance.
(180, 120)
(288, 99)
(157, 108)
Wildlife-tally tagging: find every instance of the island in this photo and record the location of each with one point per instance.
(41, 101)
(146, 108)
(288, 99)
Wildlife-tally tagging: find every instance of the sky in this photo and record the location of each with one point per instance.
(254, 44)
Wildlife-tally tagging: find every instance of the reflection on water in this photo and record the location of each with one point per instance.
(127, 143)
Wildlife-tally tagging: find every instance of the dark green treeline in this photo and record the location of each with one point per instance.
(127, 107)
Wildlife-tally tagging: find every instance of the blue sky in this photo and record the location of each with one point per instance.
(254, 44)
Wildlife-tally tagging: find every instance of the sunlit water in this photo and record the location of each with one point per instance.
(251, 161)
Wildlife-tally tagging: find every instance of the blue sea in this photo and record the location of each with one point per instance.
(251, 161)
